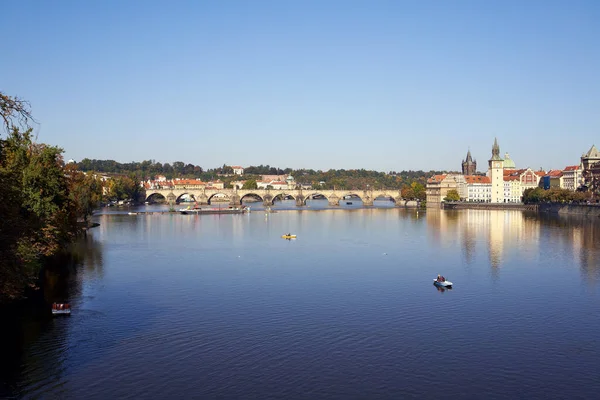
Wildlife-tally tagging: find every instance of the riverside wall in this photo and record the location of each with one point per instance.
(461, 205)
(588, 210)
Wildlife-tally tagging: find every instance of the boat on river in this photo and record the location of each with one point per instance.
(214, 210)
(61, 309)
(288, 236)
(442, 283)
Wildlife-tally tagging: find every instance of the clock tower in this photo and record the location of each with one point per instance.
(496, 174)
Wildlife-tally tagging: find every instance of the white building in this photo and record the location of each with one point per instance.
(479, 188)
(572, 177)
(238, 170)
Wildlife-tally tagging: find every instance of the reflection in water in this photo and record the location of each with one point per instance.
(24, 370)
(503, 233)
(219, 306)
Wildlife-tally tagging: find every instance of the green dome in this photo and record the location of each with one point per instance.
(508, 162)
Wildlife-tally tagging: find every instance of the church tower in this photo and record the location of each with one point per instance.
(469, 167)
(496, 174)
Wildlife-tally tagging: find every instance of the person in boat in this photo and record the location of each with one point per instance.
(439, 278)
(443, 279)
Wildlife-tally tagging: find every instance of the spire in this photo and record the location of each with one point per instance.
(496, 151)
(469, 158)
(495, 148)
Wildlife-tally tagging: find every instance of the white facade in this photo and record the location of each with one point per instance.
(572, 177)
(238, 170)
(479, 192)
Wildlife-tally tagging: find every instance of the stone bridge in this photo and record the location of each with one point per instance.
(269, 196)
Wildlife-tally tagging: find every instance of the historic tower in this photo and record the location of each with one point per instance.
(469, 167)
(496, 174)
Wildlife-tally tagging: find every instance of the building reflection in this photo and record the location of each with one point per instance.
(499, 235)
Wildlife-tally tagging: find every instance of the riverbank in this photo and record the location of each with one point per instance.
(588, 210)
(488, 206)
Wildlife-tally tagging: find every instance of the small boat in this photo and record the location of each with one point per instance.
(446, 284)
(288, 236)
(61, 309)
(132, 213)
(218, 210)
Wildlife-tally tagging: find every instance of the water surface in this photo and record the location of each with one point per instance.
(219, 306)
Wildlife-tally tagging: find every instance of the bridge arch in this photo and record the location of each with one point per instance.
(252, 196)
(155, 198)
(313, 194)
(282, 195)
(180, 196)
(221, 195)
(385, 196)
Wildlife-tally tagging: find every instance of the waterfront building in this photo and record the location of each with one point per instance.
(469, 166)
(495, 167)
(438, 187)
(591, 168)
(552, 179)
(572, 177)
(512, 186)
(478, 188)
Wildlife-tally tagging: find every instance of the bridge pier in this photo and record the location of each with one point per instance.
(300, 201)
(334, 200)
(267, 200)
(202, 199)
(235, 200)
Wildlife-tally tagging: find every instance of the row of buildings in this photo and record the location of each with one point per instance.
(266, 182)
(505, 183)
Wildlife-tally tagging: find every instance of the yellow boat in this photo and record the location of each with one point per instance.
(288, 236)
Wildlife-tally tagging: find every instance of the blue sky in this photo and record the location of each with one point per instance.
(384, 85)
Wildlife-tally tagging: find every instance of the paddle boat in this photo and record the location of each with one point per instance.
(61, 309)
(440, 281)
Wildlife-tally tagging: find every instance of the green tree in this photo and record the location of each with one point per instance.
(250, 184)
(85, 192)
(452, 195)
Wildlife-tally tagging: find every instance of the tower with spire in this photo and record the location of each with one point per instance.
(496, 174)
(469, 166)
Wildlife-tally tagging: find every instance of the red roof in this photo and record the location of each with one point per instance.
(189, 182)
(436, 179)
(555, 173)
(572, 168)
(471, 179)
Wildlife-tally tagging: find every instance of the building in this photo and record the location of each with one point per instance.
(478, 188)
(438, 187)
(572, 177)
(469, 166)
(590, 162)
(276, 182)
(508, 162)
(496, 175)
(188, 184)
(238, 170)
(552, 179)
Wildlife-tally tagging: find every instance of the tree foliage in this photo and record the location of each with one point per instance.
(40, 205)
(250, 184)
(554, 195)
(452, 195)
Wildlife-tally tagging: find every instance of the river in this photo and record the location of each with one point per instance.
(220, 306)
